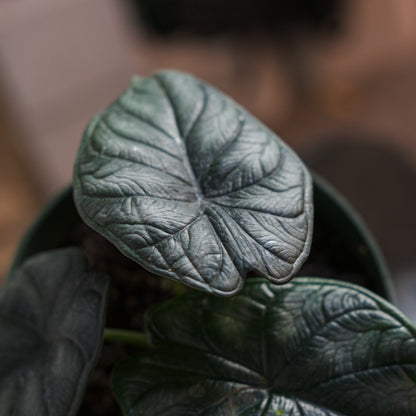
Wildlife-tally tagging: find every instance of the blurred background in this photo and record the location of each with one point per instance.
(336, 79)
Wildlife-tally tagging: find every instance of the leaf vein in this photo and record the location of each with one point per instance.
(264, 177)
(140, 141)
(366, 370)
(223, 148)
(137, 162)
(135, 115)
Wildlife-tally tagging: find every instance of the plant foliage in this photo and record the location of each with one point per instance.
(312, 347)
(51, 323)
(188, 184)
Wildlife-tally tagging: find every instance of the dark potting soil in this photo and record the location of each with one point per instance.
(134, 290)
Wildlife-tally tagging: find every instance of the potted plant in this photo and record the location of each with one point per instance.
(189, 186)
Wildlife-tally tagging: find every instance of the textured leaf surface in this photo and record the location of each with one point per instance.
(312, 347)
(51, 323)
(192, 187)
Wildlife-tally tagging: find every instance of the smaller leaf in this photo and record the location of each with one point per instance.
(313, 347)
(51, 324)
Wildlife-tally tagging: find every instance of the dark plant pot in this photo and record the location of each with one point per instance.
(332, 211)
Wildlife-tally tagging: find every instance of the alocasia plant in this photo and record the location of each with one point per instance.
(189, 185)
(311, 347)
(51, 322)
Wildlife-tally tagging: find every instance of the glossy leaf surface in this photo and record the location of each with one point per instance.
(51, 324)
(312, 347)
(188, 184)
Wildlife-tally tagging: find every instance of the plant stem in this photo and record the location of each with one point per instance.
(126, 337)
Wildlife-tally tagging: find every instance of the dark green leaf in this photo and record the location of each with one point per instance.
(188, 184)
(312, 347)
(51, 324)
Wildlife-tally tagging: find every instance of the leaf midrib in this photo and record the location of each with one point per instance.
(181, 140)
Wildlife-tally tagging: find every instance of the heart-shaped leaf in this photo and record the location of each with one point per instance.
(188, 184)
(312, 347)
(51, 324)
